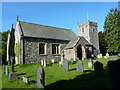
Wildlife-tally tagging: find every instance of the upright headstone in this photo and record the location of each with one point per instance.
(118, 54)
(92, 56)
(114, 73)
(89, 63)
(100, 55)
(71, 60)
(12, 74)
(6, 71)
(62, 58)
(3, 68)
(40, 77)
(65, 64)
(79, 66)
(44, 62)
(53, 60)
(98, 68)
(107, 55)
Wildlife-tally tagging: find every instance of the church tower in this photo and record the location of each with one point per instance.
(89, 30)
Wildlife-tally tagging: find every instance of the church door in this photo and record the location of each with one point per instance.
(79, 52)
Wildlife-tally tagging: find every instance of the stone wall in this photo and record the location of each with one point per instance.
(31, 49)
(70, 53)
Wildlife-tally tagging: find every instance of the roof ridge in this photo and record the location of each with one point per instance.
(45, 25)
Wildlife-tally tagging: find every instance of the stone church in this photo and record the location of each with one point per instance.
(34, 42)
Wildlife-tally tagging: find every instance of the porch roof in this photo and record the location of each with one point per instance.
(74, 42)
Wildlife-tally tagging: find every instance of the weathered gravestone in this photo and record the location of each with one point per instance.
(89, 63)
(92, 56)
(62, 58)
(40, 77)
(42, 62)
(65, 64)
(98, 68)
(114, 73)
(100, 55)
(53, 60)
(71, 60)
(12, 74)
(79, 66)
(107, 55)
(6, 70)
(3, 68)
(26, 80)
(118, 54)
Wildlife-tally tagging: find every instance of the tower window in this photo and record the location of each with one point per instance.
(82, 29)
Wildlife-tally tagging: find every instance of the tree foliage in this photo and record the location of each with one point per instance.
(102, 42)
(112, 30)
(3, 47)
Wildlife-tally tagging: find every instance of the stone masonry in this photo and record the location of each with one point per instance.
(31, 49)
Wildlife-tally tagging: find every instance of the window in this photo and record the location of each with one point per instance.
(55, 48)
(41, 48)
(82, 29)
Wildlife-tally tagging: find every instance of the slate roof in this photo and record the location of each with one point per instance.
(49, 32)
(82, 40)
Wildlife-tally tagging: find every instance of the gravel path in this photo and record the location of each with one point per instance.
(114, 57)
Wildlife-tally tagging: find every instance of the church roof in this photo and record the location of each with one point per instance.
(48, 32)
(73, 43)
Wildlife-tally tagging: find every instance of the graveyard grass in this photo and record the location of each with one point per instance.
(57, 77)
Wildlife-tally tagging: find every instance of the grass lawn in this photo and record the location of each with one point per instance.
(57, 77)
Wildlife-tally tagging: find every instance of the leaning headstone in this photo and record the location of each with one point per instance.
(114, 73)
(44, 62)
(65, 64)
(6, 71)
(40, 77)
(79, 66)
(98, 68)
(26, 80)
(89, 63)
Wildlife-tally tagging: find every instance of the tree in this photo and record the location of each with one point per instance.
(112, 30)
(102, 42)
(3, 49)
